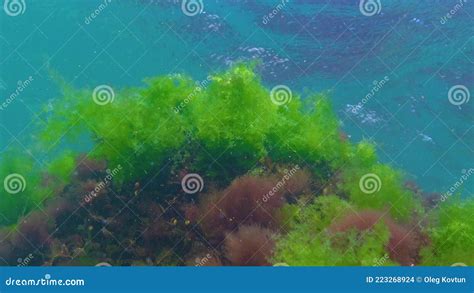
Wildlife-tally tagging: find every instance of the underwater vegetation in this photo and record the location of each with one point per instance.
(270, 184)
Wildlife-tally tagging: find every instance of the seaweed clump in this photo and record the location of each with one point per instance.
(219, 173)
(250, 246)
(404, 243)
(451, 232)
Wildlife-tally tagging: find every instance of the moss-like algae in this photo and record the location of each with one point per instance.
(222, 130)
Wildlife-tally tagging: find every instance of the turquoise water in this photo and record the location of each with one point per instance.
(307, 45)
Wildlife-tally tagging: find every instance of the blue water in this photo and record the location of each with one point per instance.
(308, 45)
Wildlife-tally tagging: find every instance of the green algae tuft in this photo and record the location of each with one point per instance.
(319, 198)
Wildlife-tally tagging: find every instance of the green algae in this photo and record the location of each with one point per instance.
(300, 248)
(225, 128)
(23, 188)
(452, 234)
(232, 119)
(309, 242)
